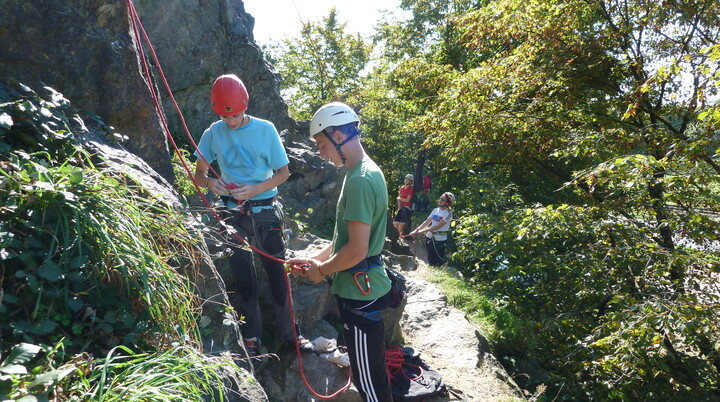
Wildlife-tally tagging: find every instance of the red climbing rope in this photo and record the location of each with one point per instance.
(395, 361)
(137, 29)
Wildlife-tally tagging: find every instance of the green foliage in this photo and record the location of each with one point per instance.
(420, 57)
(90, 258)
(600, 292)
(183, 183)
(384, 136)
(431, 31)
(30, 373)
(16, 381)
(710, 116)
(583, 140)
(321, 66)
(35, 124)
(82, 253)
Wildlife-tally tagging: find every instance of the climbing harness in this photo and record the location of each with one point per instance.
(370, 315)
(139, 34)
(360, 272)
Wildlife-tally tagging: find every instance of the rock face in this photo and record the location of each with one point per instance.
(83, 50)
(196, 41)
(86, 50)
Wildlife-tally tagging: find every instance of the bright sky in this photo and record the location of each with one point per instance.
(279, 19)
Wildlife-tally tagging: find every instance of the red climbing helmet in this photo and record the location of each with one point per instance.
(228, 96)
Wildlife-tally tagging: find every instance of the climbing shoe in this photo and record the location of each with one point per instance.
(324, 345)
(305, 345)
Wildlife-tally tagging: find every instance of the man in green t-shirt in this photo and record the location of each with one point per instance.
(352, 260)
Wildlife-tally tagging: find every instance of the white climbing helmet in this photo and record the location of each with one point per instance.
(450, 197)
(331, 115)
(409, 176)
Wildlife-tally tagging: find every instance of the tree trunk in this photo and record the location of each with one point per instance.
(419, 166)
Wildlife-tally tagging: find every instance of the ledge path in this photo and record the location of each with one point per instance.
(450, 344)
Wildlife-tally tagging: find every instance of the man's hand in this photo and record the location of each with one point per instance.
(312, 272)
(217, 186)
(243, 191)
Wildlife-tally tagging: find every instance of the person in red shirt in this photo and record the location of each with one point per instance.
(423, 200)
(404, 213)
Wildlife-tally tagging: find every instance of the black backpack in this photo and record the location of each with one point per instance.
(397, 288)
(411, 379)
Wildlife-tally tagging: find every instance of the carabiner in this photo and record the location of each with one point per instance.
(367, 282)
(296, 269)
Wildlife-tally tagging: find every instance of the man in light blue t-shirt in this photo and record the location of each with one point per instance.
(253, 163)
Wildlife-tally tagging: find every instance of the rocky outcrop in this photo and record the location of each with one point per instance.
(462, 355)
(198, 41)
(86, 50)
(83, 49)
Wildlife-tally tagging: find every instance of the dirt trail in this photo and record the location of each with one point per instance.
(449, 343)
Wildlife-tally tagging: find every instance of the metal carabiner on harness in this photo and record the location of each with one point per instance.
(367, 282)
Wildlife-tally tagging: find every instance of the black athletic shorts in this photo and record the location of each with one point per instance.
(403, 215)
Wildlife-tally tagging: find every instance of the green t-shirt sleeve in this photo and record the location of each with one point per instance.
(359, 206)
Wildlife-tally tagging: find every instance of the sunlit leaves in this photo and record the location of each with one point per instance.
(323, 65)
(598, 287)
(597, 123)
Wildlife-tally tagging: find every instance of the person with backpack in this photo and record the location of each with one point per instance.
(404, 213)
(253, 163)
(352, 260)
(436, 228)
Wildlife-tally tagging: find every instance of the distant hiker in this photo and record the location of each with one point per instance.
(352, 260)
(253, 162)
(427, 184)
(424, 197)
(404, 213)
(436, 228)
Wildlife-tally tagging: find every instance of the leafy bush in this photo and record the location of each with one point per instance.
(597, 289)
(30, 372)
(90, 259)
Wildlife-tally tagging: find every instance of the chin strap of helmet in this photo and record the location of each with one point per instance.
(338, 147)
